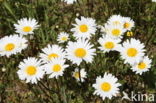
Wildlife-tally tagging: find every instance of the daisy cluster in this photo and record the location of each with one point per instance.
(53, 58)
(15, 43)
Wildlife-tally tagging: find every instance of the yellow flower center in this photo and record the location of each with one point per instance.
(132, 52)
(83, 28)
(126, 25)
(80, 52)
(142, 65)
(76, 75)
(53, 55)
(56, 68)
(116, 32)
(64, 38)
(31, 70)
(109, 45)
(27, 29)
(9, 47)
(106, 87)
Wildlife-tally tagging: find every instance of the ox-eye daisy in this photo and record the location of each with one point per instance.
(80, 50)
(115, 20)
(62, 37)
(128, 23)
(30, 70)
(26, 26)
(132, 51)
(114, 31)
(84, 27)
(77, 74)
(12, 44)
(52, 51)
(70, 1)
(55, 68)
(106, 86)
(109, 44)
(142, 66)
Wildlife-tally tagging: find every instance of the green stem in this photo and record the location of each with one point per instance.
(80, 74)
(47, 87)
(59, 92)
(44, 91)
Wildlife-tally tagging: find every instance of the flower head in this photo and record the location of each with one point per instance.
(84, 28)
(55, 68)
(52, 51)
(77, 74)
(12, 44)
(142, 66)
(132, 51)
(80, 50)
(26, 26)
(31, 70)
(62, 37)
(106, 86)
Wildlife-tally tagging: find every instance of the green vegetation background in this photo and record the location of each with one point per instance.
(55, 16)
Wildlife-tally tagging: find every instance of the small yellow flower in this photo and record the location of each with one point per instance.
(130, 33)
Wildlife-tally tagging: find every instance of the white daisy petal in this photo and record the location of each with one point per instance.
(69, 1)
(153, 0)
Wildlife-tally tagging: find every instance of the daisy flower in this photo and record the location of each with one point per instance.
(70, 1)
(12, 44)
(115, 20)
(62, 37)
(109, 44)
(30, 70)
(106, 86)
(55, 68)
(84, 27)
(26, 26)
(80, 50)
(52, 51)
(142, 66)
(128, 23)
(114, 31)
(132, 51)
(77, 75)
